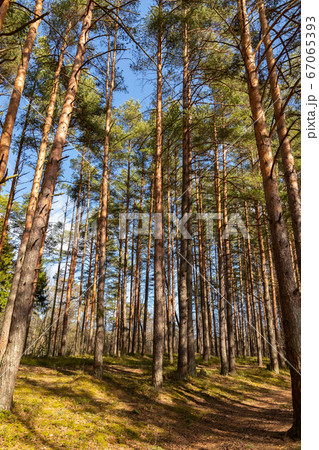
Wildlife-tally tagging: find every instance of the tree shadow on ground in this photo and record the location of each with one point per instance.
(208, 410)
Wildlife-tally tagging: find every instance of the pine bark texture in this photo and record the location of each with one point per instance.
(159, 294)
(3, 11)
(290, 174)
(289, 294)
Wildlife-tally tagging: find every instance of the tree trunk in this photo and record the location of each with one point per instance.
(290, 174)
(159, 271)
(274, 304)
(85, 321)
(123, 299)
(63, 285)
(216, 346)
(23, 305)
(252, 292)
(3, 11)
(119, 291)
(221, 293)
(93, 301)
(202, 274)
(261, 306)
(269, 314)
(228, 274)
(102, 235)
(7, 129)
(138, 265)
(148, 259)
(170, 281)
(241, 288)
(199, 343)
(289, 295)
(57, 281)
(16, 177)
(76, 344)
(74, 256)
(186, 353)
(33, 201)
(130, 325)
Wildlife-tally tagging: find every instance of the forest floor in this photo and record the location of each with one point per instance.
(58, 404)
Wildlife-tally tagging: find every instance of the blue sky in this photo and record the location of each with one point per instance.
(136, 87)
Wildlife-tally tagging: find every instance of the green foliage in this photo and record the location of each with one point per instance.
(41, 294)
(6, 272)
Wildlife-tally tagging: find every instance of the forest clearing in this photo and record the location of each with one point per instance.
(150, 223)
(60, 405)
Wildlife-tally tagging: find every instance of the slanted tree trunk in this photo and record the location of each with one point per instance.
(23, 305)
(159, 271)
(15, 179)
(33, 200)
(57, 280)
(63, 285)
(3, 11)
(290, 174)
(7, 129)
(289, 295)
(74, 256)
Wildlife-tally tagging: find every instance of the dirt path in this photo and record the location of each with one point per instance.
(194, 419)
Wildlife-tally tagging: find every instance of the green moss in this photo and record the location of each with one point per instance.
(59, 404)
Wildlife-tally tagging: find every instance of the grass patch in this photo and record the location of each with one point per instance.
(58, 405)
